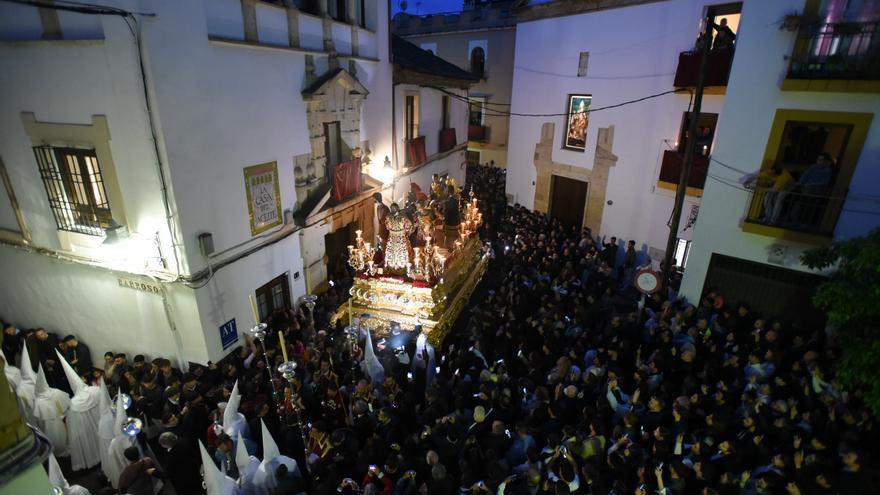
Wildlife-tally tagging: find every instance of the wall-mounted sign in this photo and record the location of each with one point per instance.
(578, 110)
(228, 334)
(263, 196)
(129, 283)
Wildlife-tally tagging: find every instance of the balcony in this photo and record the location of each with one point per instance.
(415, 151)
(841, 56)
(670, 170)
(800, 216)
(478, 133)
(447, 140)
(717, 69)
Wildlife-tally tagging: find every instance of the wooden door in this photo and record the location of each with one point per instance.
(567, 200)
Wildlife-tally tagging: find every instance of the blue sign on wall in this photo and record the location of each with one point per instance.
(228, 334)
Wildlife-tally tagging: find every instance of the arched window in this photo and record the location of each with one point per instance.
(478, 61)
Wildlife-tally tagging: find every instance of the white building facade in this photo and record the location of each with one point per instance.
(193, 128)
(795, 91)
(619, 179)
(430, 119)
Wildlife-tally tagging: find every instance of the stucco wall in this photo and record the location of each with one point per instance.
(633, 53)
(753, 97)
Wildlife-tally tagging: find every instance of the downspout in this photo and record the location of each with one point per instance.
(182, 362)
(393, 98)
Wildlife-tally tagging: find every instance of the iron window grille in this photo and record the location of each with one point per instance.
(75, 188)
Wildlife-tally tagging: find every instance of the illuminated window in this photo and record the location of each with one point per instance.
(75, 188)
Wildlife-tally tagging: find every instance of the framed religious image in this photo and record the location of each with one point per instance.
(578, 109)
(263, 196)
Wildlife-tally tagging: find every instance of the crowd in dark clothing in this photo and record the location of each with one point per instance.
(552, 382)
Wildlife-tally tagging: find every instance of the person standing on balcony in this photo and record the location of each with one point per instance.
(725, 38)
(813, 187)
(779, 181)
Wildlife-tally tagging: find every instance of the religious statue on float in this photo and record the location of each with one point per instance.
(398, 250)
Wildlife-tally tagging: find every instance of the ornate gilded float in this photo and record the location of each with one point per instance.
(433, 288)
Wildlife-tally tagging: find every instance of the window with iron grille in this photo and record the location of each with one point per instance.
(75, 188)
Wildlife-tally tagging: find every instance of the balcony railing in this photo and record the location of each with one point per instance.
(846, 50)
(478, 133)
(447, 140)
(799, 211)
(670, 169)
(717, 68)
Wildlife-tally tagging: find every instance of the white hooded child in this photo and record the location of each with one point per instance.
(82, 420)
(57, 479)
(264, 479)
(115, 456)
(216, 483)
(247, 467)
(50, 407)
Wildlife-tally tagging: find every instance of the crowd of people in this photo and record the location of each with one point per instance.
(553, 381)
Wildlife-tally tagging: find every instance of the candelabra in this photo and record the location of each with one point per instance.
(427, 263)
(360, 255)
(258, 332)
(471, 221)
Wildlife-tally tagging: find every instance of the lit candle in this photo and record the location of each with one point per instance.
(358, 233)
(283, 346)
(349, 311)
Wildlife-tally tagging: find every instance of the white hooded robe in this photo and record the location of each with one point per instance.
(82, 420)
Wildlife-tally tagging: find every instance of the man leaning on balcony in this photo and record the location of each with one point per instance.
(778, 181)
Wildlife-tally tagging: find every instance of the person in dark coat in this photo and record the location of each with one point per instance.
(181, 463)
(137, 478)
(78, 355)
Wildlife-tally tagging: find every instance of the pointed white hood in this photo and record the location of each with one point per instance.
(270, 448)
(41, 386)
(371, 365)
(106, 402)
(56, 477)
(242, 458)
(77, 385)
(13, 374)
(27, 371)
(216, 482)
(233, 422)
(272, 458)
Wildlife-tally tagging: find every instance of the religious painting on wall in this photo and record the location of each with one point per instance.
(263, 196)
(578, 117)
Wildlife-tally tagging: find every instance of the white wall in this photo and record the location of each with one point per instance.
(753, 97)
(70, 298)
(430, 117)
(633, 53)
(219, 109)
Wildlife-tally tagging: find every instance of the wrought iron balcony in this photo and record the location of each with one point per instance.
(478, 133)
(717, 68)
(796, 210)
(845, 50)
(670, 169)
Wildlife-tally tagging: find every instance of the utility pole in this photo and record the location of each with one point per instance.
(690, 148)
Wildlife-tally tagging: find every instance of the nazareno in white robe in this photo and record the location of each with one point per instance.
(82, 420)
(56, 478)
(50, 407)
(105, 427)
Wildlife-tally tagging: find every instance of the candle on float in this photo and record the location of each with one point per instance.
(358, 233)
(349, 311)
(283, 346)
(254, 309)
